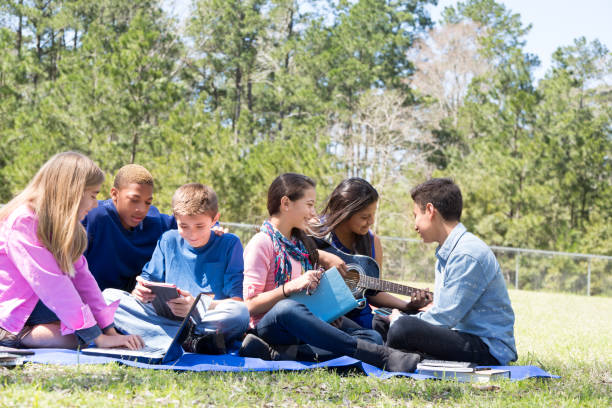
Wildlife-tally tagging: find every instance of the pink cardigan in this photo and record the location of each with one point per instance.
(29, 272)
(258, 269)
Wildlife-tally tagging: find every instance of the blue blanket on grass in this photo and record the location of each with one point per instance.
(229, 362)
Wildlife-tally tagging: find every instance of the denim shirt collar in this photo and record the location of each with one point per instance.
(444, 250)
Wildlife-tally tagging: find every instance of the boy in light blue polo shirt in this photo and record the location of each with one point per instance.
(471, 318)
(196, 260)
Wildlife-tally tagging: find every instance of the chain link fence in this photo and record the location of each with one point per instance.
(410, 260)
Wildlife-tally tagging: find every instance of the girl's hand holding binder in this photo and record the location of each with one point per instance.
(307, 281)
(329, 260)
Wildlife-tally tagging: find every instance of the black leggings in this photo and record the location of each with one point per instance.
(412, 334)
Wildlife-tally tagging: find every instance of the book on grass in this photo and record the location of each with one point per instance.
(10, 359)
(464, 366)
(18, 351)
(461, 371)
(163, 293)
(331, 299)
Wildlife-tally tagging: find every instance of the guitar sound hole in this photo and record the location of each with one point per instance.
(352, 279)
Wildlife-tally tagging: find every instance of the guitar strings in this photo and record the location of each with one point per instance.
(356, 282)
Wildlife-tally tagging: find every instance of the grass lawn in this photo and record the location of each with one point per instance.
(567, 335)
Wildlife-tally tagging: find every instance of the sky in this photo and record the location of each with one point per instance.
(555, 23)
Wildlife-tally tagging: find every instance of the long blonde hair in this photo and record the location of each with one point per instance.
(54, 194)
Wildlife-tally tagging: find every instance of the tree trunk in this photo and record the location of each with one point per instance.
(53, 60)
(20, 30)
(281, 113)
(250, 94)
(134, 145)
(237, 102)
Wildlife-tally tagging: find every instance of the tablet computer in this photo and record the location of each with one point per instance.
(163, 293)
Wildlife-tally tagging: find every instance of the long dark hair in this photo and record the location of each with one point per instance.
(293, 186)
(348, 198)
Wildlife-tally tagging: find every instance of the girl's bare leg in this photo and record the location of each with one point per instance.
(48, 335)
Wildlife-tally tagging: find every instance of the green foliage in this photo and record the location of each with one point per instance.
(254, 88)
(533, 162)
(574, 128)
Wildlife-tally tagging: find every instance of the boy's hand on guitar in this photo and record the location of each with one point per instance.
(307, 281)
(141, 292)
(130, 341)
(181, 305)
(419, 299)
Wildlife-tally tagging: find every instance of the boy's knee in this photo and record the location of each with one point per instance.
(236, 311)
(399, 331)
(230, 317)
(111, 295)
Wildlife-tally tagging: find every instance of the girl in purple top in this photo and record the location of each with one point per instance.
(48, 297)
(345, 223)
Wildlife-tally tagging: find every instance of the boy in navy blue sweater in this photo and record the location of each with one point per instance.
(196, 260)
(122, 231)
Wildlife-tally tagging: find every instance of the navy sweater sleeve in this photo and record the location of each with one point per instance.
(233, 277)
(155, 269)
(89, 228)
(168, 222)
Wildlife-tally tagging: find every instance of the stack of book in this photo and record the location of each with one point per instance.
(11, 357)
(461, 371)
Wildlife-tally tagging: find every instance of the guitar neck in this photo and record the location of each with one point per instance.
(367, 268)
(368, 282)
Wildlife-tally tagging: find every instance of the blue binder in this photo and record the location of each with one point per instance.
(331, 299)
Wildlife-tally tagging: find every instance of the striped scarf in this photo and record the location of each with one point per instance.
(283, 249)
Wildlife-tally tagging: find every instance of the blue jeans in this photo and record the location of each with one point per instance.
(229, 317)
(290, 322)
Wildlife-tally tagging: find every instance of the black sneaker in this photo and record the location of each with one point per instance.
(187, 333)
(207, 343)
(255, 347)
(8, 339)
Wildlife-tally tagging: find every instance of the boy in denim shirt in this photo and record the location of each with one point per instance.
(471, 318)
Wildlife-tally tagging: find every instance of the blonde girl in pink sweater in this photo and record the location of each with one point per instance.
(48, 297)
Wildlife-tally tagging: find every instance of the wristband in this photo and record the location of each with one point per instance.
(283, 287)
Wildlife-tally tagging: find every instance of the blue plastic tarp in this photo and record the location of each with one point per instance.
(234, 363)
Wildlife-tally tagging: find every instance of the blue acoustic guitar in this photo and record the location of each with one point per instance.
(363, 273)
